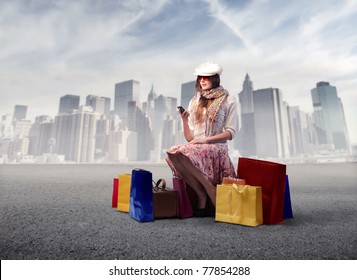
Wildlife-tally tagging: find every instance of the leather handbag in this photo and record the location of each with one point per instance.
(166, 203)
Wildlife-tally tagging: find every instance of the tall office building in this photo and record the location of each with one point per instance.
(40, 135)
(6, 126)
(271, 128)
(99, 104)
(163, 108)
(151, 97)
(82, 140)
(139, 122)
(296, 119)
(328, 117)
(101, 137)
(168, 132)
(187, 92)
(22, 128)
(124, 92)
(246, 136)
(68, 103)
(20, 112)
(122, 145)
(62, 134)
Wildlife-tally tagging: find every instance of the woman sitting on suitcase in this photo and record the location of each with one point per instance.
(209, 121)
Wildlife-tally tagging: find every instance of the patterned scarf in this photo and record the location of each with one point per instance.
(219, 95)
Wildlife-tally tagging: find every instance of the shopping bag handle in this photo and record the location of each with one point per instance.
(160, 185)
(242, 189)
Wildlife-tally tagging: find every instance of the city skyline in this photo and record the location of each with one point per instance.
(50, 49)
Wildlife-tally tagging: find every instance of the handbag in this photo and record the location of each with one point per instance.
(115, 193)
(165, 201)
(271, 177)
(238, 204)
(124, 192)
(288, 211)
(141, 196)
(185, 208)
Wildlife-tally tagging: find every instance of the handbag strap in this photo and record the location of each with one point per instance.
(160, 185)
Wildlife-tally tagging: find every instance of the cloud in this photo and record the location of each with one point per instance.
(52, 48)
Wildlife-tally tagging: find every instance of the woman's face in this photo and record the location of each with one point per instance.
(205, 82)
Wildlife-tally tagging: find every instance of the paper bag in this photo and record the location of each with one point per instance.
(124, 192)
(238, 204)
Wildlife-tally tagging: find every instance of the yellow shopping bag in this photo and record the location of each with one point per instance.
(124, 192)
(238, 204)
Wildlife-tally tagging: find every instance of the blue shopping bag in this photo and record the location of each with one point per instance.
(141, 196)
(288, 211)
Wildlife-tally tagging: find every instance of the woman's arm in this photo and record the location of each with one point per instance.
(186, 128)
(229, 127)
(218, 138)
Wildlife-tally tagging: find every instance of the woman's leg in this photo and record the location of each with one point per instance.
(191, 172)
(187, 175)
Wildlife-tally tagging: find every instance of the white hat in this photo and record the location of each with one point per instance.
(208, 69)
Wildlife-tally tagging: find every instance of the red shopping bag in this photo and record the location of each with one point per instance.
(185, 209)
(271, 176)
(115, 193)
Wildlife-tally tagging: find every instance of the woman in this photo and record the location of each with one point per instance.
(209, 121)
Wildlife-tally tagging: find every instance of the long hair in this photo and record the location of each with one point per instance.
(204, 102)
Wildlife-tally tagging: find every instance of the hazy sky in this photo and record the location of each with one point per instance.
(52, 48)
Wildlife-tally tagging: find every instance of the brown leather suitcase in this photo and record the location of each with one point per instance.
(166, 204)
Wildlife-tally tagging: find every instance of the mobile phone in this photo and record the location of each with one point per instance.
(181, 109)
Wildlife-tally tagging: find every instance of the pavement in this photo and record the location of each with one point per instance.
(63, 212)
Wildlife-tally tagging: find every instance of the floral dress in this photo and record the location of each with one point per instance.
(212, 160)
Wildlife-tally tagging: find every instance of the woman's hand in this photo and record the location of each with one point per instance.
(218, 138)
(184, 116)
(199, 141)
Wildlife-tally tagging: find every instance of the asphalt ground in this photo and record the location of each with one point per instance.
(63, 212)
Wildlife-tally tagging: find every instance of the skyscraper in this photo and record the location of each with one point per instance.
(139, 122)
(68, 103)
(62, 134)
(82, 140)
(99, 104)
(40, 135)
(187, 92)
(6, 127)
(246, 135)
(124, 92)
(329, 119)
(271, 128)
(20, 112)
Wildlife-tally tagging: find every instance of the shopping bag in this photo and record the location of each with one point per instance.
(165, 201)
(115, 193)
(231, 180)
(141, 196)
(124, 192)
(238, 204)
(271, 177)
(185, 208)
(288, 211)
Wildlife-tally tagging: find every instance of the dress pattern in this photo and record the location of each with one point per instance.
(211, 159)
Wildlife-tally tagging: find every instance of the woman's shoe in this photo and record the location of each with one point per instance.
(199, 212)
